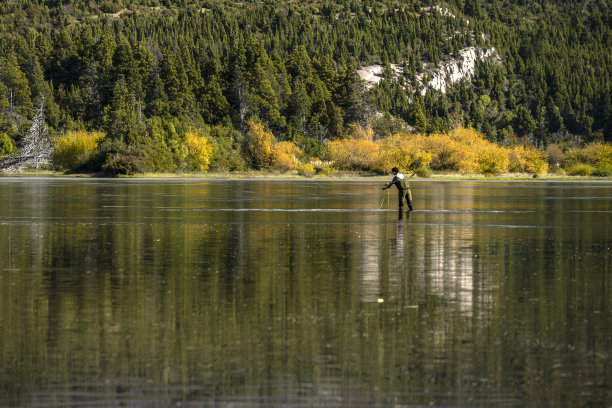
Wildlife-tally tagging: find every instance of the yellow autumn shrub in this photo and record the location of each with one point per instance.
(527, 159)
(353, 154)
(491, 158)
(285, 155)
(74, 148)
(467, 136)
(199, 150)
(596, 154)
(481, 156)
(580, 170)
(258, 145)
(450, 154)
(306, 169)
(406, 151)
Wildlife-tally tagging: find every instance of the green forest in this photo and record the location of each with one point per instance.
(135, 84)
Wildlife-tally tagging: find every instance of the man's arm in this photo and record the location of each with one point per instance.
(389, 184)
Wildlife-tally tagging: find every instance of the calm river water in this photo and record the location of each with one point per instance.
(303, 293)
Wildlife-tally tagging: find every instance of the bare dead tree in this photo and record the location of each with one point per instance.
(35, 148)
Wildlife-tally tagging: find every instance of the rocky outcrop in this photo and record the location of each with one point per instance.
(454, 70)
(372, 74)
(449, 71)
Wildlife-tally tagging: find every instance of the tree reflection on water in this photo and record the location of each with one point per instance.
(267, 292)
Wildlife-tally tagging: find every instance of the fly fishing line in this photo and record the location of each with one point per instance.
(383, 200)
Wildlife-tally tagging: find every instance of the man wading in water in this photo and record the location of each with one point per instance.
(403, 189)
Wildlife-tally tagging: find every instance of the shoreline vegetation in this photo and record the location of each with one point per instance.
(463, 153)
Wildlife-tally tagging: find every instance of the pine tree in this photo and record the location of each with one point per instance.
(298, 106)
(123, 63)
(299, 63)
(17, 91)
(40, 89)
(524, 124)
(123, 119)
(350, 96)
(416, 114)
(215, 107)
(257, 71)
(325, 69)
(554, 120)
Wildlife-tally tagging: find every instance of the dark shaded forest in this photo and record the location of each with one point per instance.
(146, 72)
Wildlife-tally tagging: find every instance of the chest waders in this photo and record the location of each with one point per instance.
(403, 190)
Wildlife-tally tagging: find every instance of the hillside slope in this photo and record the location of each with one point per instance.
(149, 70)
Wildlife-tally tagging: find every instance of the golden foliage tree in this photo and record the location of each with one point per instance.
(449, 154)
(199, 148)
(406, 151)
(258, 145)
(527, 159)
(481, 155)
(285, 156)
(594, 154)
(353, 154)
(491, 158)
(467, 136)
(73, 149)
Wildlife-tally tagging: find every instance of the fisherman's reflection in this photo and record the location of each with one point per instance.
(398, 242)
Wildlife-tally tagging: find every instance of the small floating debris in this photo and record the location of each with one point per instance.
(381, 300)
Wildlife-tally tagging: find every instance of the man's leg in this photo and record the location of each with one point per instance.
(409, 198)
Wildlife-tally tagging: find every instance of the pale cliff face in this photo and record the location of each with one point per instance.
(448, 72)
(455, 69)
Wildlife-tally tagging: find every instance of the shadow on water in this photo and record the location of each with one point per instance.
(288, 293)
